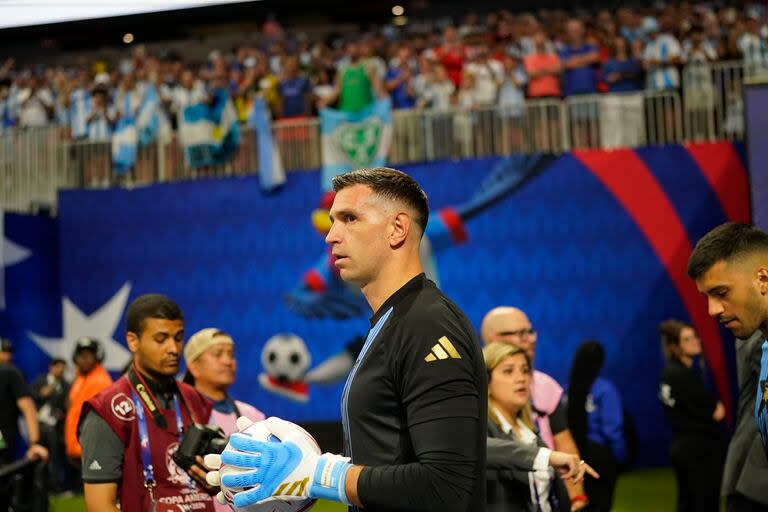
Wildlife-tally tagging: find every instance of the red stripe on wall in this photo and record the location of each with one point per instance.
(627, 177)
(727, 176)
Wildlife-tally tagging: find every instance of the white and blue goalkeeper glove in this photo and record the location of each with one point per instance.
(286, 466)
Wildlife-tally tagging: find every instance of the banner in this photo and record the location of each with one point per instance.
(352, 140)
(210, 133)
(622, 120)
(271, 171)
(132, 133)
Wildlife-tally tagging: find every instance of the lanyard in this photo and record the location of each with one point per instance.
(146, 452)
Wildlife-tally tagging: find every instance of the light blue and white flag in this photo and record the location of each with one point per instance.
(79, 109)
(151, 121)
(354, 140)
(124, 145)
(271, 171)
(209, 133)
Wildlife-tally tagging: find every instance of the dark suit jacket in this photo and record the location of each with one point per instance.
(507, 467)
(746, 468)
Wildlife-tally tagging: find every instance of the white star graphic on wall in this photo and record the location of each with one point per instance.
(10, 254)
(101, 325)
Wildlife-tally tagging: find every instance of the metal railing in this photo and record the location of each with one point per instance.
(36, 163)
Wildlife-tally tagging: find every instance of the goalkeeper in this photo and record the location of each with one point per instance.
(414, 407)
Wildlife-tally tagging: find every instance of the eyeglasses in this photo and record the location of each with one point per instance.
(520, 333)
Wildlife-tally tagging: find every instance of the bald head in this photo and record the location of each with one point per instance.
(511, 325)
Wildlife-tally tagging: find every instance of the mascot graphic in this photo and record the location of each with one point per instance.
(322, 294)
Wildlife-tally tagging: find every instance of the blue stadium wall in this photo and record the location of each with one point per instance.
(594, 247)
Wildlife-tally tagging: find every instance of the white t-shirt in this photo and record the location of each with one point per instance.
(438, 94)
(486, 75)
(33, 112)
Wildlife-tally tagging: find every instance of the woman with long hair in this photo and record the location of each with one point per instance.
(695, 414)
(596, 420)
(534, 487)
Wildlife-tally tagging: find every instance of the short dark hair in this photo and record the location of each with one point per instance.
(392, 184)
(725, 243)
(150, 306)
(56, 361)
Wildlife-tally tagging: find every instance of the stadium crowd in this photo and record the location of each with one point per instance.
(500, 59)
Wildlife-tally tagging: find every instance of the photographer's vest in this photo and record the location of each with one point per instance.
(173, 489)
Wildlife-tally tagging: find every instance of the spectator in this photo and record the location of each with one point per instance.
(36, 104)
(753, 47)
(322, 90)
(699, 94)
(50, 392)
(399, 81)
(512, 89)
(79, 103)
(101, 117)
(438, 93)
(451, 55)
(579, 60)
(695, 414)
(622, 72)
(661, 56)
(91, 379)
(486, 74)
(295, 90)
(187, 92)
(128, 97)
(356, 85)
(543, 69)
(596, 420)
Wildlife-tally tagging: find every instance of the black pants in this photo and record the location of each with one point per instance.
(600, 491)
(739, 503)
(698, 464)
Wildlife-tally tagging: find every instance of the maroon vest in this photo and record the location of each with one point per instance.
(172, 491)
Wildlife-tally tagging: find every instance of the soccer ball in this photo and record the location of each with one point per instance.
(285, 358)
(261, 432)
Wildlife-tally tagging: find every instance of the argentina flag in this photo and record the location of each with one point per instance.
(271, 171)
(209, 133)
(124, 145)
(352, 140)
(132, 133)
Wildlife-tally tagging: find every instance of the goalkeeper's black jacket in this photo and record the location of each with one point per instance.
(414, 407)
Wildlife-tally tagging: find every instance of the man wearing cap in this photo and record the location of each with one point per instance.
(91, 379)
(211, 369)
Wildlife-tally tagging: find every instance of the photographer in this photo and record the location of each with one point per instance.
(211, 368)
(130, 431)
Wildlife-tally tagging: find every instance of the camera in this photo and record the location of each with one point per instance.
(198, 440)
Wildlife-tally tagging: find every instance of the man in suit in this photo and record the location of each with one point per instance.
(730, 267)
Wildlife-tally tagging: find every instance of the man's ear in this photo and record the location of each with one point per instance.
(133, 342)
(762, 280)
(401, 226)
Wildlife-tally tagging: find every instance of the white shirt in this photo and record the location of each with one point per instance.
(485, 74)
(663, 76)
(438, 94)
(33, 112)
(754, 51)
(540, 479)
